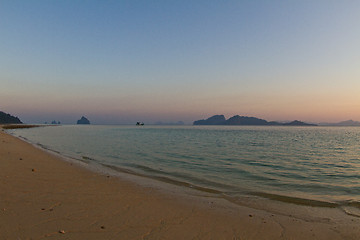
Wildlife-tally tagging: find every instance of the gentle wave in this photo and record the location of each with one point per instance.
(351, 208)
(314, 166)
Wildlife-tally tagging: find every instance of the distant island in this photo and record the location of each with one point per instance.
(243, 120)
(53, 122)
(6, 118)
(83, 120)
(348, 123)
(169, 123)
(298, 123)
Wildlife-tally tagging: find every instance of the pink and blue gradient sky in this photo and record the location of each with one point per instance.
(127, 61)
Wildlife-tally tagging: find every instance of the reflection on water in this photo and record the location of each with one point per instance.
(304, 165)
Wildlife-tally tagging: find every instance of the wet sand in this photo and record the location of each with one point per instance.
(45, 197)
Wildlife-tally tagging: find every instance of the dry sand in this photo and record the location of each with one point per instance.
(44, 197)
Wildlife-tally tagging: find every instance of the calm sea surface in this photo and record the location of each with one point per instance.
(306, 165)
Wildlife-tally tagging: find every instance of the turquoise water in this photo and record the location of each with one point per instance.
(305, 165)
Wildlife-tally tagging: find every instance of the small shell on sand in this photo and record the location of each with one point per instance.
(62, 231)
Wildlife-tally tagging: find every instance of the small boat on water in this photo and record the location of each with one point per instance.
(139, 124)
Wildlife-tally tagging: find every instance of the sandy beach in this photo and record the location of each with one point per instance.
(46, 197)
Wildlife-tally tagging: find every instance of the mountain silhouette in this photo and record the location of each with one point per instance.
(244, 120)
(83, 120)
(214, 120)
(6, 118)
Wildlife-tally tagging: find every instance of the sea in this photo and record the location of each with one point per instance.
(315, 166)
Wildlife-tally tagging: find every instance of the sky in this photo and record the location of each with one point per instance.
(118, 62)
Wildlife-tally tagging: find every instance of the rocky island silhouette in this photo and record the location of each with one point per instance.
(244, 120)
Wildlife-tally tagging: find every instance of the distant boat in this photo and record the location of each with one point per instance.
(139, 124)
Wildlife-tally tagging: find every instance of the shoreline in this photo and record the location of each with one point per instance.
(117, 171)
(90, 205)
(95, 164)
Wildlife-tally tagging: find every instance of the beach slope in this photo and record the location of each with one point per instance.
(45, 197)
